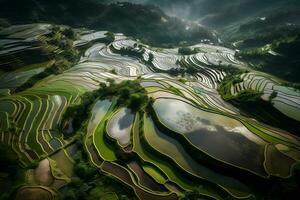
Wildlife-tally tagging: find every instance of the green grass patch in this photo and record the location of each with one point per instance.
(155, 174)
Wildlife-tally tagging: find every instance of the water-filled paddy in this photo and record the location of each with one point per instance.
(98, 112)
(119, 126)
(221, 137)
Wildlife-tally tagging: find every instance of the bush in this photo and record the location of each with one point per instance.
(273, 95)
(110, 37)
(151, 57)
(128, 94)
(185, 51)
(68, 32)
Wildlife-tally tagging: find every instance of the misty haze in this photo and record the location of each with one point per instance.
(149, 99)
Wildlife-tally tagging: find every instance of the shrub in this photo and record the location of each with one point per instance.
(185, 51)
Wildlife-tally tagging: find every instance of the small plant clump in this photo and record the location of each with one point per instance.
(188, 50)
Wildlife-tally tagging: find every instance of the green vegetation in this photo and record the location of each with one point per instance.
(272, 57)
(155, 137)
(12, 176)
(247, 96)
(296, 86)
(250, 102)
(57, 67)
(60, 40)
(188, 50)
(225, 86)
(110, 37)
(89, 183)
(151, 57)
(127, 94)
(150, 24)
(273, 96)
(129, 51)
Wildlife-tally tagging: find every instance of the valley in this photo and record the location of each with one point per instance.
(106, 116)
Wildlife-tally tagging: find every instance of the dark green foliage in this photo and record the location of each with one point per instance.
(296, 86)
(110, 37)
(251, 104)
(9, 167)
(265, 112)
(247, 96)
(224, 88)
(113, 71)
(129, 51)
(273, 95)
(127, 93)
(88, 183)
(54, 69)
(8, 158)
(151, 57)
(146, 22)
(84, 171)
(243, 96)
(76, 115)
(187, 51)
(260, 36)
(69, 33)
(62, 40)
(284, 65)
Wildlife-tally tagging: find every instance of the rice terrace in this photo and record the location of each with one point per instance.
(91, 112)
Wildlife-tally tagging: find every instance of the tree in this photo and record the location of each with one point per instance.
(151, 57)
(69, 33)
(185, 51)
(273, 96)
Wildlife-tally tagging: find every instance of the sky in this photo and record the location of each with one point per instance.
(216, 12)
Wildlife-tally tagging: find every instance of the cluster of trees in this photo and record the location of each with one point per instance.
(251, 103)
(76, 115)
(146, 22)
(12, 175)
(127, 93)
(188, 50)
(224, 90)
(151, 57)
(61, 39)
(296, 86)
(129, 51)
(88, 183)
(110, 37)
(184, 68)
(247, 96)
(283, 41)
(57, 67)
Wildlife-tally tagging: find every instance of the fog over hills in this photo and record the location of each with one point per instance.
(149, 99)
(148, 23)
(218, 13)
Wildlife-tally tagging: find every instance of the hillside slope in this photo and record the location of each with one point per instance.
(148, 23)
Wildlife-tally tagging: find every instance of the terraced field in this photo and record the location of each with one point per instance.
(287, 100)
(187, 137)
